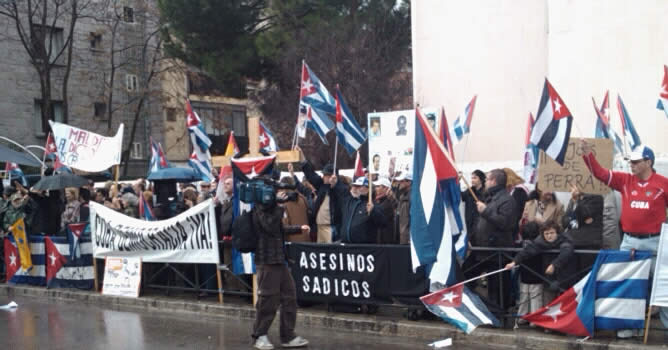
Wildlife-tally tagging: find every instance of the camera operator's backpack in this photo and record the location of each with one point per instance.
(244, 237)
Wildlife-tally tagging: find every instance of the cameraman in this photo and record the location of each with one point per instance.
(275, 284)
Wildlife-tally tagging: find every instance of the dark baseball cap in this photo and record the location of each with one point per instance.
(328, 169)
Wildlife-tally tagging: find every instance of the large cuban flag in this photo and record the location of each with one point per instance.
(432, 218)
(612, 296)
(663, 96)
(200, 159)
(552, 129)
(315, 103)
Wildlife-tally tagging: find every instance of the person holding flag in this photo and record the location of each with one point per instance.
(644, 202)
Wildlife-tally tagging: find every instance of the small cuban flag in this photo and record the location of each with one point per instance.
(663, 95)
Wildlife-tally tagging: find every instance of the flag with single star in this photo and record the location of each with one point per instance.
(316, 104)
(552, 129)
(459, 306)
(462, 124)
(267, 140)
(74, 232)
(64, 269)
(612, 296)
(12, 259)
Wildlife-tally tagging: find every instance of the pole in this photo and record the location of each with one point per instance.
(647, 320)
(469, 188)
(336, 148)
(469, 280)
(96, 283)
(220, 285)
(44, 156)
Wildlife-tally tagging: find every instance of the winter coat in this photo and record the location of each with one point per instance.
(588, 235)
(552, 211)
(11, 215)
(71, 214)
(385, 233)
(471, 215)
(296, 213)
(357, 225)
(563, 262)
(520, 194)
(495, 228)
(226, 218)
(612, 211)
(323, 190)
(271, 231)
(403, 216)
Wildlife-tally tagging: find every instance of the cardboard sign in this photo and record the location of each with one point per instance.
(553, 177)
(122, 277)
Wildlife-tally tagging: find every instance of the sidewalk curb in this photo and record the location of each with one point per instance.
(422, 330)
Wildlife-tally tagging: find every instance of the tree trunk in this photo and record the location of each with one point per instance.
(133, 132)
(68, 67)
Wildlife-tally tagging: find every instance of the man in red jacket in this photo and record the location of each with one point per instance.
(644, 201)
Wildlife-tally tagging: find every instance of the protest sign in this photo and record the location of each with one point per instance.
(660, 283)
(553, 177)
(391, 138)
(190, 237)
(84, 150)
(122, 277)
(354, 273)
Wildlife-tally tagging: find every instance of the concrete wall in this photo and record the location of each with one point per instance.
(502, 51)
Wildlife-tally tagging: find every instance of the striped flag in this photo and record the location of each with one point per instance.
(200, 159)
(145, 211)
(158, 159)
(461, 307)
(628, 130)
(315, 104)
(348, 131)
(612, 296)
(552, 129)
(462, 124)
(14, 172)
(232, 147)
(433, 222)
(267, 140)
(663, 95)
(603, 124)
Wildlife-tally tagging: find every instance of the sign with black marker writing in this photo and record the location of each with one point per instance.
(556, 178)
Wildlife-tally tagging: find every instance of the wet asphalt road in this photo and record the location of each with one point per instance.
(41, 324)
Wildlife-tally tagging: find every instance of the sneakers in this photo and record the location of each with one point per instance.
(263, 343)
(295, 343)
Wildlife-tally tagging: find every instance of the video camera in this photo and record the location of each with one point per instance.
(262, 190)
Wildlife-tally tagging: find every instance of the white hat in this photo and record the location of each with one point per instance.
(382, 181)
(361, 181)
(404, 176)
(641, 152)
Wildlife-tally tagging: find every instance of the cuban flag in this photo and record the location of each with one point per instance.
(51, 152)
(316, 103)
(232, 147)
(243, 170)
(530, 154)
(74, 232)
(200, 159)
(267, 140)
(663, 95)
(18, 274)
(461, 307)
(158, 159)
(15, 172)
(452, 195)
(612, 296)
(462, 124)
(145, 210)
(628, 130)
(63, 272)
(433, 222)
(348, 131)
(552, 129)
(603, 124)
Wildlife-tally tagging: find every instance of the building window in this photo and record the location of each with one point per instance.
(47, 42)
(131, 82)
(95, 41)
(128, 14)
(171, 114)
(41, 125)
(135, 151)
(100, 109)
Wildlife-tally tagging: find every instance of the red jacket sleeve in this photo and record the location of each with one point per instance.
(613, 179)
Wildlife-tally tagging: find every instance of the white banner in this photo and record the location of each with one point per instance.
(84, 150)
(190, 237)
(660, 282)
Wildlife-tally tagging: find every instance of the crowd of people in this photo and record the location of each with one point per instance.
(499, 211)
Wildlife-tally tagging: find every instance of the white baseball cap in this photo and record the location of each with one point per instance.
(404, 176)
(382, 181)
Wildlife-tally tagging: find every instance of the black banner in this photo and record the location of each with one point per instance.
(357, 273)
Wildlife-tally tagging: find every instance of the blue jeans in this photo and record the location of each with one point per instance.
(651, 244)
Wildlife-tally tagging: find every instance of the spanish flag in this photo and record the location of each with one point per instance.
(232, 147)
(19, 232)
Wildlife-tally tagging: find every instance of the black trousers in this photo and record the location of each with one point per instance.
(276, 288)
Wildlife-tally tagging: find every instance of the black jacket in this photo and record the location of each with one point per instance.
(357, 225)
(471, 215)
(586, 235)
(322, 189)
(497, 221)
(563, 266)
(385, 232)
(268, 225)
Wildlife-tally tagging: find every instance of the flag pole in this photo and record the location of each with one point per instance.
(469, 280)
(336, 148)
(44, 156)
